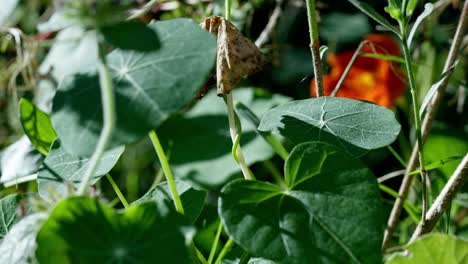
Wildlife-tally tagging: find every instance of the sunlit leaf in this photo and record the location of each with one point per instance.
(330, 211)
(37, 126)
(434, 248)
(20, 243)
(149, 87)
(352, 125)
(61, 171)
(9, 213)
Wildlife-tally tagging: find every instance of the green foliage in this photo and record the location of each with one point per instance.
(352, 125)
(117, 36)
(434, 248)
(192, 199)
(61, 171)
(150, 87)
(9, 215)
(329, 212)
(214, 166)
(367, 9)
(83, 230)
(37, 126)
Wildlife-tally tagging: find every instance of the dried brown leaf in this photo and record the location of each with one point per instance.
(237, 56)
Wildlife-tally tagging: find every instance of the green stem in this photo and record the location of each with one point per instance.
(275, 173)
(215, 243)
(117, 190)
(224, 251)
(227, 9)
(235, 136)
(315, 46)
(108, 108)
(417, 118)
(167, 170)
(397, 156)
(245, 258)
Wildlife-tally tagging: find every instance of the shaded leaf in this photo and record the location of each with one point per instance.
(20, 243)
(37, 126)
(434, 248)
(193, 200)
(214, 166)
(62, 171)
(83, 230)
(434, 88)
(352, 125)
(142, 37)
(149, 87)
(329, 213)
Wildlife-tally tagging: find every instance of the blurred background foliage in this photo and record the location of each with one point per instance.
(32, 62)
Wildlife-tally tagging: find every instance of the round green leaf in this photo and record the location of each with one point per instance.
(193, 200)
(149, 87)
(330, 211)
(62, 171)
(82, 230)
(352, 125)
(37, 126)
(434, 248)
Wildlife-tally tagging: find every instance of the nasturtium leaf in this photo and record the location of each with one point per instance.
(62, 171)
(37, 126)
(149, 87)
(200, 143)
(9, 213)
(352, 125)
(193, 200)
(83, 230)
(142, 37)
(433, 248)
(19, 244)
(330, 211)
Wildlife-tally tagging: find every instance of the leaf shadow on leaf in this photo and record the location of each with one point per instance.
(130, 126)
(297, 131)
(208, 133)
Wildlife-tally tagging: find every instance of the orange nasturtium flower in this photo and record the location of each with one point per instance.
(374, 80)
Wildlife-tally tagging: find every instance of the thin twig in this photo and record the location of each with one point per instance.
(426, 127)
(391, 175)
(444, 199)
(315, 47)
(270, 26)
(145, 9)
(348, 67)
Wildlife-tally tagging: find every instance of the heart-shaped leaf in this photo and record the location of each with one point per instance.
(330, 211)
(192, 200)
(352, 125)
(37, 126)
(83, 230)
(149, 87)
(434, 248)
(61, 171)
